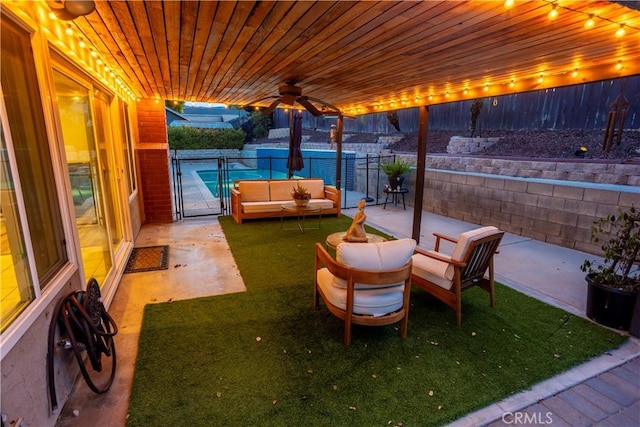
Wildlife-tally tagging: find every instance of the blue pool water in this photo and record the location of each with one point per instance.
(210, 177)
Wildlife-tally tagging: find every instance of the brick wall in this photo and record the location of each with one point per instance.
(153, 158)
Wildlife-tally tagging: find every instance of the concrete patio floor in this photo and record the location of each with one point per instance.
(201, 264)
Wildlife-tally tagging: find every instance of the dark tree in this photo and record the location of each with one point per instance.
(474, 112)
(392, 116)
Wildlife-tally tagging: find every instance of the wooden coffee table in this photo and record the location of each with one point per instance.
(335, 238)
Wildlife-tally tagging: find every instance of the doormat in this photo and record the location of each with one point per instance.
(148, 259)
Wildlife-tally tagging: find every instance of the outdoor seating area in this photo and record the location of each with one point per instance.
(267, 301)
(183, 284)
(254, 199)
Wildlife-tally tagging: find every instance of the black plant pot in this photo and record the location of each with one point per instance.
(395, 182)
(609, 306)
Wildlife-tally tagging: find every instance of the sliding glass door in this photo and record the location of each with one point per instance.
(91, 203)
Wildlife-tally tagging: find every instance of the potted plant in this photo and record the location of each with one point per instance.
(395, 172)
(614, 283)
(300, 195)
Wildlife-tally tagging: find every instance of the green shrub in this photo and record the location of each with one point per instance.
(186, 138)
(260, 123)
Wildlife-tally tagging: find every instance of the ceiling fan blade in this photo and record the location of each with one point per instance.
(302, 100)
(333, 109)
(271, 107)
(252, 103)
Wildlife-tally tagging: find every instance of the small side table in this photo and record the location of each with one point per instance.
(394, 196)
(336, 238)
(301, 214)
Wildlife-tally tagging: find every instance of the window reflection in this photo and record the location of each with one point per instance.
(84, 167)
(16, 286)
(25, 163)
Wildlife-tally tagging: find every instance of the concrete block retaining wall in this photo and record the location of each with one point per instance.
(462, 145)
(520, 197)
(603, 172)
(556, 212)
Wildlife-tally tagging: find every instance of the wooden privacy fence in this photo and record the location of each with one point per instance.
(583, 106)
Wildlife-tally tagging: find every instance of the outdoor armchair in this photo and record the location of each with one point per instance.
(366, 284)
(446, 276)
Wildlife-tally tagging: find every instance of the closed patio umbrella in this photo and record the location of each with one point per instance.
(295, 161)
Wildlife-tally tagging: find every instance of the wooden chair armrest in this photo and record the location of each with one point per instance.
(440, 257)
(443, 237)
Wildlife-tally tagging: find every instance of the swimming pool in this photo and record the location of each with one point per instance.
(210, 177)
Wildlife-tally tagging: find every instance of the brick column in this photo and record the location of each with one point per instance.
(153, 160)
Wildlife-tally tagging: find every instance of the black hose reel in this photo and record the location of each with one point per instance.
(84, 326)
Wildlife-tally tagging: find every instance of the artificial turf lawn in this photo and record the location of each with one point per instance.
(267, 357)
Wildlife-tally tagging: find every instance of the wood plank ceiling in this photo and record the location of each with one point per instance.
(360, 56)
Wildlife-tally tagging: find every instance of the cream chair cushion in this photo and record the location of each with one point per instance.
(281, 189)
(315, 187)
(441, 273)
(368, 300)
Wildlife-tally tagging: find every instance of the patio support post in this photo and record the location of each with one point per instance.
(339, 153)
(423, 124)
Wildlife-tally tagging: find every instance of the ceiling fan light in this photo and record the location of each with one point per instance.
(68, 10)
(288, 99)
(80, 7)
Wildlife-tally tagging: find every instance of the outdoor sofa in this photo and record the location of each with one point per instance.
(263, 198)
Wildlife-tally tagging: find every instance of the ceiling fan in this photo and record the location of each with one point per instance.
(68, 10)
(289, 94)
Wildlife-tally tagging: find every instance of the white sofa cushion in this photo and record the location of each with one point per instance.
(322, 203)
(259, 207)
(254, 191)
(281, 189)
(315, 187)
(371, 302)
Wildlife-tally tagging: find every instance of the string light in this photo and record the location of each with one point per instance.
(508, 4)
(591, 20)
(575, 73)
(619, 66)
(589, 23)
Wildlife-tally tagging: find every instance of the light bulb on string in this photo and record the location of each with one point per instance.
(508, 4)
(553, 13)
(620, 32)
(589, 23)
